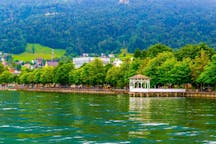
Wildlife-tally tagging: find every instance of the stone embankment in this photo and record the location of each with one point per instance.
(77, 90)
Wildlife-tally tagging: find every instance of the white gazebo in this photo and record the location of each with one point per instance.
(139, 82)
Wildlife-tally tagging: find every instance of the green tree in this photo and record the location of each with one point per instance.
(138, 53)
(181, 72)
(192, 51)
(61, 73)
(208, 76)
(97, 72)
(114, 77)
(75, 77)
(23, 77)
(158, 68)
(154, 50)
(2, 69)
(164, 71)
(93, 73)
(6, 77)
(37, 76)
(197, 65)
(47, 75)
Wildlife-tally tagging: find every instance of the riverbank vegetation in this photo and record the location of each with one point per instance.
(192, 66)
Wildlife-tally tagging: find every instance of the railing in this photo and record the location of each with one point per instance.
(157, 90)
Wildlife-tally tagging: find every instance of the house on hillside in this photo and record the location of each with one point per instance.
(4, 63)
(51, 63)
(117, 62)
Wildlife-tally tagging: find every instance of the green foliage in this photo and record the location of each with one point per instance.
(98, 26)
(164, 69)
(158, 68)
(96, 72)
(47, 75)
(154, 50)
(114, 77)
(61, 73)
(93, 73)
(138, 53)
(75, 77)
(197, 65)
(37, 76)
(6, 77)
(181, 72)
(192, 51)
(1, 68)
(208, 76)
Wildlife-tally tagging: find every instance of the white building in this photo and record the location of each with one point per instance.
(141, 84)
(117, 62)
(79, 61)
(124, 1)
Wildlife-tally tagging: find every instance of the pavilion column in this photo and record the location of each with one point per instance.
(143, 85)
(133, 84)
(146, 84)
(149, 84)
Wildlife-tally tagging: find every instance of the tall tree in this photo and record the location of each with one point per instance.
(61, 73)
(47, 75)
(6, 77)
(197, 65)
(208, 76)
(154, 50)
(158, 68)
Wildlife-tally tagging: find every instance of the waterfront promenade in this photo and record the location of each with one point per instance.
(103, 91)
(157, 93)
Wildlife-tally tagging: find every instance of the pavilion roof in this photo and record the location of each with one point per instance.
(139, 76)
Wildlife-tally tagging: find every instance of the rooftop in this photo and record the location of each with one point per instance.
(139, 76)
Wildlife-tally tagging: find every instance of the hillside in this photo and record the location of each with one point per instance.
(105, 25)
(34, 51)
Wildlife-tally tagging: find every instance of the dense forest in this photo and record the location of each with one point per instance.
(193, 65)
(105, 25)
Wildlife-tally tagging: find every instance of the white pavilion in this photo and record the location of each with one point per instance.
(139, 83)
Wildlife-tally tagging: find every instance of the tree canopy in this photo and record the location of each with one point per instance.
(104, 26)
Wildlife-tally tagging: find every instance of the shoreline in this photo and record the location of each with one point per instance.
(187, 94)
(76, 91)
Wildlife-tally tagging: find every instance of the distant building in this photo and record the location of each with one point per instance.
(79, 61)
(85, 54)
(27, 66)
(111, 55)
(4, 63)
(124, 1)
(11, 70)
(51, 63)
(39, 62)
(16, 72)
(117, 62)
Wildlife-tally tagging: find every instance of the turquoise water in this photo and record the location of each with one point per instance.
(68, 118)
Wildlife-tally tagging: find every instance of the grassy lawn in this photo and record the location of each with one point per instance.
(34, 51)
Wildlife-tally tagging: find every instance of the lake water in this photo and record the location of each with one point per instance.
(68, 118)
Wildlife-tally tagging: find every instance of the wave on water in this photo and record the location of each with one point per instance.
(154, 124)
